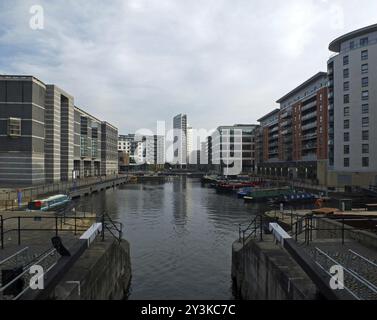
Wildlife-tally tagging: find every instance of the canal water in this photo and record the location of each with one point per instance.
(181, 236)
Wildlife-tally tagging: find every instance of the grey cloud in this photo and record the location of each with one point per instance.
(136, 62)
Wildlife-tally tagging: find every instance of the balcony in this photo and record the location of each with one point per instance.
(309, 116)
(286, 132)
(309, 157)
(286, 114)
(286, 123)
(274, 129)
(309, 146)
(309, 106)
(309, 126)
(309, 136)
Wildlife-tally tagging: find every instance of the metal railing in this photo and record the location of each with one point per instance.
(353, 282)
(46, 260)
(254, 229)
(115, 228)
(309, 223)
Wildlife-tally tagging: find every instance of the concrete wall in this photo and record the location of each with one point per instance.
(104, 273)
(265, 271)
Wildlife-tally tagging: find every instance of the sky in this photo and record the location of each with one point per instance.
(135, 62)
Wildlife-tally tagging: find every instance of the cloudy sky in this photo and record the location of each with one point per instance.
(133, 62)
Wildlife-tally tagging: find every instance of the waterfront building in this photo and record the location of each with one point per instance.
(109, 149)
(59, 134)
(44, 137)
(125, 143)
(295, 136)
(180, 139)
(147, 149)
(353, 109)
(22, 130)
(232, 149)
(87, 144)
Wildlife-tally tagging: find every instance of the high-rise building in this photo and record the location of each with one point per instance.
(352, 77)
(190, 145)
(180, 139)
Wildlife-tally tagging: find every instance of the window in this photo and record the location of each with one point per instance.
(365, 95)
(352, 45)
(365, 135)
(346, 162)
(365, 82)
(346, 149)
(346, 136)
(346, 86)
(346, 111)
(364, 55)
(346, 98)
(346, 124)
(365, 122)
(365, 148)
(364, 42)
(365, 161)
(365, 109)
(346, 73)
(14, 127)
(346, 60)
(364, 68)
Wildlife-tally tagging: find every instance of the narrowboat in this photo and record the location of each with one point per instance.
(51, 203)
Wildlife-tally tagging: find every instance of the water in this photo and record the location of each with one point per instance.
(181, 237)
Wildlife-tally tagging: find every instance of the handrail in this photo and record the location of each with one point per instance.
(110, 225)
(305, 225)
(59, 225)
(26, 270)
(254, 227)
(351, 272)
(13, 255)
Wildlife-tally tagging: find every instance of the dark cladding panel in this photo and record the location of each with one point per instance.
(14, 91)
(27, 91)
(2, 91)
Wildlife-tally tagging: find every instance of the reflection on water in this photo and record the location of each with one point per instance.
(181, 236)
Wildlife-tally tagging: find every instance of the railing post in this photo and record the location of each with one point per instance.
(103, 226)
(75, 224)
(343, 231)
(2, 231)
(261, 228)
(19, 230)
(56, 226)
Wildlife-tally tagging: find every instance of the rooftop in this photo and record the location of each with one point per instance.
(269, 115)
(336, 44)
(316, 77)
